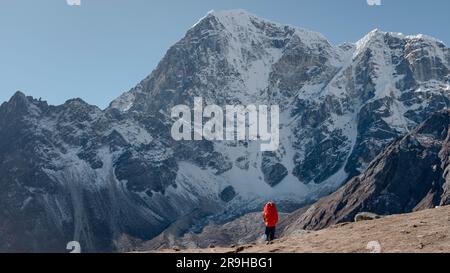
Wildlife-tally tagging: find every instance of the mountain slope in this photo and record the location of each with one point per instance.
(409, 175)
(76, 172)
(419, 232)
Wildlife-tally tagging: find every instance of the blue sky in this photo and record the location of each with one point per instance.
(102, 48)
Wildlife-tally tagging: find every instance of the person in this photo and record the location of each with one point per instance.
(271, 220)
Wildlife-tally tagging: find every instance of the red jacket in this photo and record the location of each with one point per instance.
(270, 214)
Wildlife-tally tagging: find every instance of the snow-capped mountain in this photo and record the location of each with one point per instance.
(411, 174)
(76, 172)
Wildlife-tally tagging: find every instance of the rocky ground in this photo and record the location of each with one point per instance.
(419, 232)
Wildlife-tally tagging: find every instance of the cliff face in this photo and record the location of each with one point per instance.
(410, 175)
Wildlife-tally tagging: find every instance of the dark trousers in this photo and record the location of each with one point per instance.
(270, 233)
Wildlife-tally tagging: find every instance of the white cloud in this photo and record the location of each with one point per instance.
(73, 2)
(374, 2)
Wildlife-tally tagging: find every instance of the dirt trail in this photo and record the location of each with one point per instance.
(424, 231)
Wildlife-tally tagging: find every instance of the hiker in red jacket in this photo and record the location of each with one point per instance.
(271, 220)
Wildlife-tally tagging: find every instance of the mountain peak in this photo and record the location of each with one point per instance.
(231, 18)
(377, 33)
(377, 39)
(229, 13)
(18, 104)
(239, 20)
(224, 16)
(19, 99)
(18, 95)
(370, 37)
